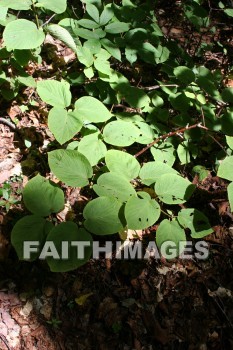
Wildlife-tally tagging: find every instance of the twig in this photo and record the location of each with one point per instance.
(2, 337)
(155, 87)
(8, 123)
(172, 133)
(47, 22)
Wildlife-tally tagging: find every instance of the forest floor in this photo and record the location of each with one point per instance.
(113, 304)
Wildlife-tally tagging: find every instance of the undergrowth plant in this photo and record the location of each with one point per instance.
(136, 148)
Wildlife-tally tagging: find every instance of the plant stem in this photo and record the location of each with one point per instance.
(172, 133)
(35, 13)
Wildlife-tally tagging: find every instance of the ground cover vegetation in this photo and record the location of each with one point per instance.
(124, 123)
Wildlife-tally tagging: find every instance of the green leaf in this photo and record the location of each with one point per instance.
(69, 232)
(29, 228)
(111, 48)
(122, 163)
(201, 171)
(93, 12)
(227, 94)
(22, 35)
(102, 66)
(119, 133)
(102, 216)
(111, 184)
(58, 6)
(146, 133)
(91, 109)
(88, 23)
(22, 57)
(170, 231)
(64, 125)
(62, 34)
(229, 12)
(92, 148)
(117, 27)
(230, 195)
(56, 93)
(164, 152)
(225, 169)
(93, 46)
(85, 56)
(183, 152)
(136, 97)
(196, 221)
(70, 166)
(229, 140)
(173, 189)
(43, 197)
(151, 171)
(27, 80)
(86, 33)
(106, 15)
(141, 213)
(184, 74)
(16, 4)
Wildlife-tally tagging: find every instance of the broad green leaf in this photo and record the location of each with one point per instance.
(92, 147)
(180, 101)
(43, 197)
(27, 80)
(69, 232)
(29, 228)
(141, 213)
(201, 171)
(64, 125)
(93, 12)
(146, 133)
(131, 54)
(106, 15)
(102, 216)
(111, 48)
(91, 109)
(196, 221)
(88, 23)
(135, 97)
(115, 185)
(16, 4)
(230, 195)
(56, 93)
(117, 27)
(22, 35)
(93, 45)
(229, 12)
(229, 140)
(161, 54)
(225, 169)
(58, 6)
(173, 189)
(119, 133)
(151, 171)
(122, 163)
(164, 152)
(102, 66)
(184, 74)
(70, 166)
(85, 56)
(170, 232)
(227, 94)
(62, 34)
(184, 152)
(23, 57)
(86, 33)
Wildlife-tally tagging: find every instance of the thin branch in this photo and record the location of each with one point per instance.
(172, 133)
(47, 22)
(155, 87)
